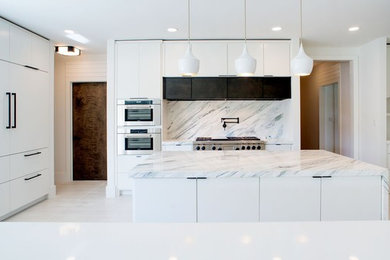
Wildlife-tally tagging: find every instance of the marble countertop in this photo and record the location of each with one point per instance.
(228, 241)
(190, 142)
(242, 164)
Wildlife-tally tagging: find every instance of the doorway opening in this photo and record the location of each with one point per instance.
(89, 131)
(327, 108)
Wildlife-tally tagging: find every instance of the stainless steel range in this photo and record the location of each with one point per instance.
(228, 143)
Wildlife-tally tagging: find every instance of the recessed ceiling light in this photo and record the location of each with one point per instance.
(78, 38)
(353, 28)
(69, 31)
(353, 258)
(276, 28)
(172, 29)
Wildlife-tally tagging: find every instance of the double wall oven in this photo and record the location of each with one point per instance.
(139, 126)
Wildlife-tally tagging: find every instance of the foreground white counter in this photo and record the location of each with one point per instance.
(268, 241)
(252, 186)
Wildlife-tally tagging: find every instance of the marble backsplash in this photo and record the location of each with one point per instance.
(186, 120)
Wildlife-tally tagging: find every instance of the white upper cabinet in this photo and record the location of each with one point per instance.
(173, 51)
(4, 40)
(5, 97)
(20, 45)
(277, 58)
(255, 49)
(212, 56)
(138, 69)
(40, 52)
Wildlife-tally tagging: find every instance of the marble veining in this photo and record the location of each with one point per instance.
(186, 120)
(240, 164)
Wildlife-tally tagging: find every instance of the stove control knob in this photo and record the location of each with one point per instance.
(203, 148)
(237, 148)
(248, 147)
(253, 147)
(242, 147)
(219, 149)
(258, 147)
(197, 148)
(214, 148)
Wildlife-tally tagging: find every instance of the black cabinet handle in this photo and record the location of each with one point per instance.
(196, 178)
(30, 67)
(33, 177)
(326, 176)
(9, 110)
(32, 154)
(320, 177)
(14, 95)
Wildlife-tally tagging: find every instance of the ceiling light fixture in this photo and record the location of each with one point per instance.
(189, 64)
(68, 50)
(276, 28)
(172, 29)
(353, 28)
(69, 31)
(301, 65)
(78, 38)
(245, 64)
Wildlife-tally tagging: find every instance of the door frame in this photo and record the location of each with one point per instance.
(70, 128)
(322, 120)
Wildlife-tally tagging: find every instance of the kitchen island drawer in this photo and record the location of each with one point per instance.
(28, 188)
(29, 162)
(4, 198)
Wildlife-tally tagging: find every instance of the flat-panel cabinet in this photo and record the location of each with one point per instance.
(276, 88)
(244, 88)
(138, 69)
(168, 200)
(40, 53)
(4, 199)
(4, 40)
(4, 169)
(277, 58)
(255, 49)
(204, 88)
(228, 200)
(20, 45)
(351, 198)
(177, 88)
(5, 108)
(290, 199)
(212, 56)
(173, 51)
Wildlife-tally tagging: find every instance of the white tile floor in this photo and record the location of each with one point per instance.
(79, 201)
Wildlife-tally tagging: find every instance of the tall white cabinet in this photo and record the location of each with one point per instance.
(25, 123)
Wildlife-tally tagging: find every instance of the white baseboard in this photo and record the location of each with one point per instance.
(52, 191)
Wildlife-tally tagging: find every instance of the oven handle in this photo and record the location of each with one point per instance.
(139, 135)
(138, 106)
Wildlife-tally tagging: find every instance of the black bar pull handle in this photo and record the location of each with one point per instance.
(33, 177)
(317, 177)
(327, 176)
(9, 110)
(14, 95)
(32, 154)
(30, 67)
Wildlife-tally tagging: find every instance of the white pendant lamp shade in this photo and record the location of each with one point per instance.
(245, 64)
(301, 65)
(188, 65)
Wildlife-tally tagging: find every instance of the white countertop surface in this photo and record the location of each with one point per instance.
(227, 241)
(239, 164)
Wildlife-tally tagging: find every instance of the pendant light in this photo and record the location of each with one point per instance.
(189, 64)
(67, 50)
(245, 64)
(301, 65)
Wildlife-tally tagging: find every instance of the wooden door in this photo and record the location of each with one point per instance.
(89, 131)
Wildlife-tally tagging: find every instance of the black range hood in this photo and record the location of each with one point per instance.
(226, 88)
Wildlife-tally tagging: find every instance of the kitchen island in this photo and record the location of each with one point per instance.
(250, 186)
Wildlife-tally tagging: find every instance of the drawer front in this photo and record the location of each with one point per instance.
(184, 147)
(28, 188)
(29, 162)
(4, 198)
(127, 162)
(4, 169)
(124, 182)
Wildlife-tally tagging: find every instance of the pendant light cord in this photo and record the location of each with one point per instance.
(300, 14)
(245, 20)
(189, 20)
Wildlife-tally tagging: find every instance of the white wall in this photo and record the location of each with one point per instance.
(67, 70)
(372, 102)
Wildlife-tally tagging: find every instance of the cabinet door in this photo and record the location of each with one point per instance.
(4, 40)
(150, 69)
(127, 69)
(290, 199)
(40, 52)
(164, 200)
(177, 88)
(209, 88)
(20, 45)
(351, 198)
(32, 109)
(228, 200)
(173, 51)
(276, 88)
(255, 49)
(277, 58)
(4, 109)
(4, 199)
(4, 169)
(212, 56)
(244, 88)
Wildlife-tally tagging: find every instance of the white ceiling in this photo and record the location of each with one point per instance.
(325, 22)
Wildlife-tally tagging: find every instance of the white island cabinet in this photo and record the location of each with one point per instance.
(251, 186)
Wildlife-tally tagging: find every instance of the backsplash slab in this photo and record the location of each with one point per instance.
(186, 120)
